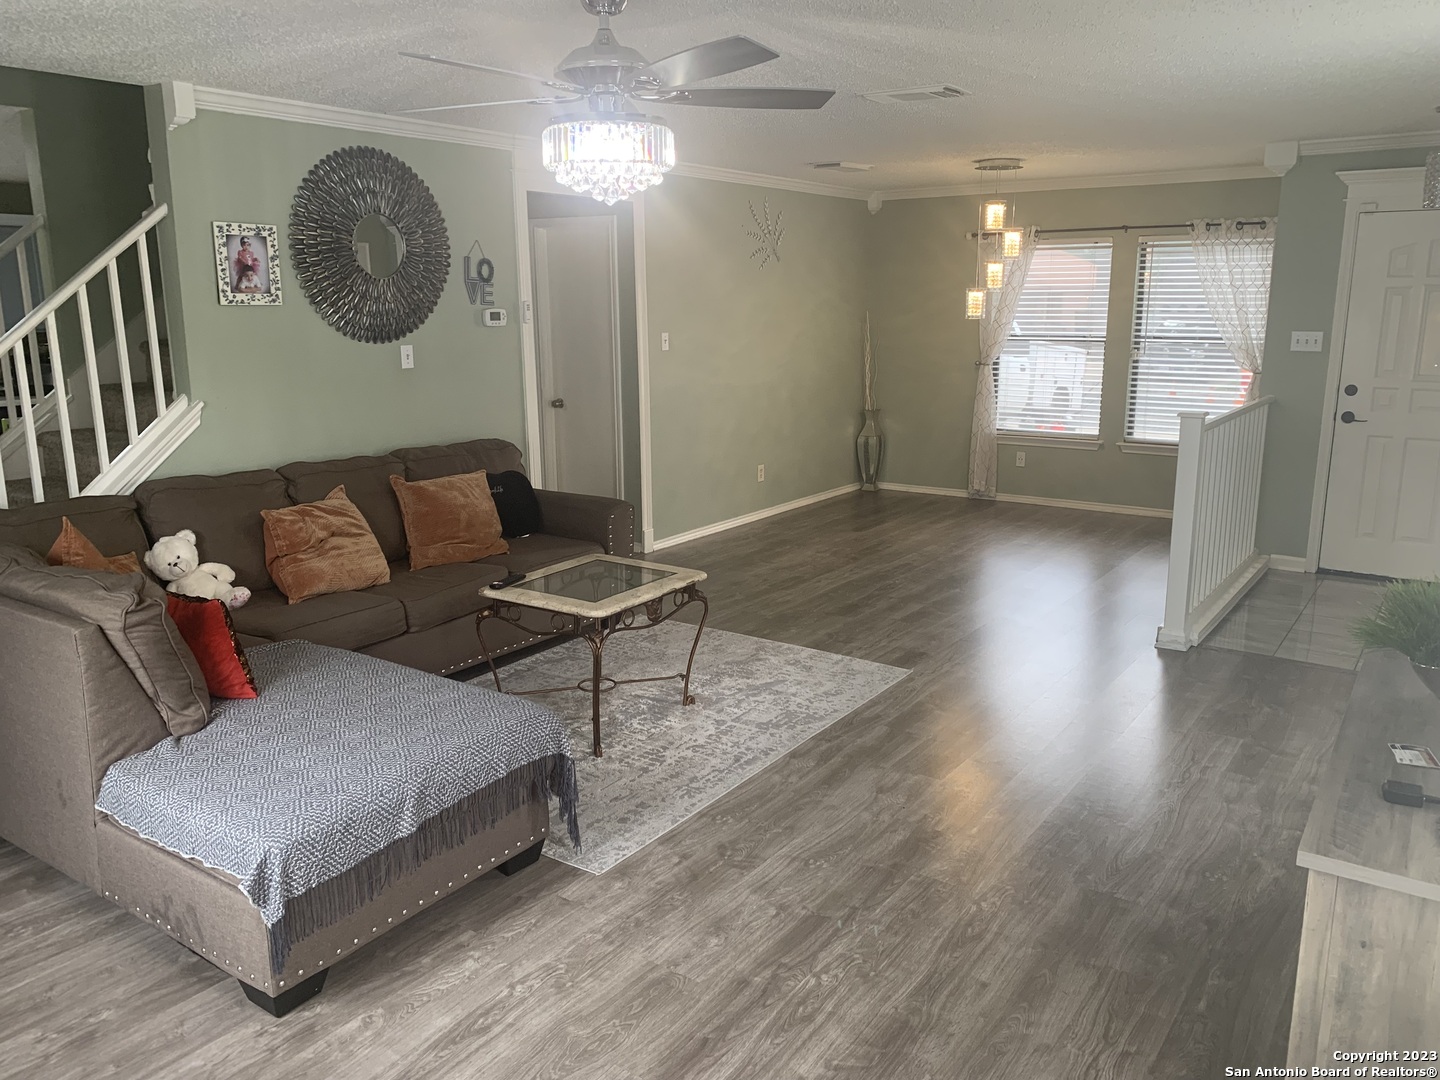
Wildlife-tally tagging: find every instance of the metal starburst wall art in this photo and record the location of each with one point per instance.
(766, 233)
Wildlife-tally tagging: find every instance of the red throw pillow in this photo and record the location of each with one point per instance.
(206, 627)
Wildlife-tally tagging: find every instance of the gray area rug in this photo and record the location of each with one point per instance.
(756, 700)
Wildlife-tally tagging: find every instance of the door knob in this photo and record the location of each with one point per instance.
(1348, 417)
(559, 403)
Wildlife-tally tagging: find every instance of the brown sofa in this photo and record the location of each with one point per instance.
(69, 706)
(421, 618)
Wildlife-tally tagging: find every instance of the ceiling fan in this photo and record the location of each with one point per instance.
(610, 150)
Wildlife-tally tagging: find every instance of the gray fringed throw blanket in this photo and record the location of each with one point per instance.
(343, 763)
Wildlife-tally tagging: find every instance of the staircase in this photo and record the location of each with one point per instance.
(84, 440)
(128, 428)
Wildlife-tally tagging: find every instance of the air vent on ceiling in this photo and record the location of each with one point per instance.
(917, 93)
(841, 166)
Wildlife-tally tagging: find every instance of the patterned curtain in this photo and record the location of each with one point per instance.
(1233, 260)
(995, 328)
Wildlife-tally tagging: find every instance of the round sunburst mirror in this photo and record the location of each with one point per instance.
(368, 244)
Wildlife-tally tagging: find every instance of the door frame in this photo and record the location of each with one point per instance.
(525, 179)
(1366, 190)
(545, 360)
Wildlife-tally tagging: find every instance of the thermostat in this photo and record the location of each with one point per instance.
(494, 316)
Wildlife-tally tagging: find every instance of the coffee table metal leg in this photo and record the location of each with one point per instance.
(686, 698)
(595, 638)
(487, 613)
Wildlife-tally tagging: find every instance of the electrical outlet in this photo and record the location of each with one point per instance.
(760, 475)
(1020, 458)
(1307, 341)
(407, 356)
(665, 347)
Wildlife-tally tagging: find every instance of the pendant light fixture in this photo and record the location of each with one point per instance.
(1003, 237)
(608, 156)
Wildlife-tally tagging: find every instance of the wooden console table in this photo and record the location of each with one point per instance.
(1369, 971)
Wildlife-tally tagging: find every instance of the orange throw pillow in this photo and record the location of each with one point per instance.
(206, 627)
(322, 547)
(451, 519)
(73, 548)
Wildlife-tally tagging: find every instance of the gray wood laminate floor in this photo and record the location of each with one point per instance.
(1052, 852)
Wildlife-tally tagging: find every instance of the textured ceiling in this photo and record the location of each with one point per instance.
(1078, 89)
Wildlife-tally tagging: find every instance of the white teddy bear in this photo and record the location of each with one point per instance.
(176, 560)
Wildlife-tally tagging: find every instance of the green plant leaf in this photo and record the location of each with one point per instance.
(1407, 619)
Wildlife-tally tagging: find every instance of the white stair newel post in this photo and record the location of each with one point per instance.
(62, 408)
(1182, 528)
(32, 447)
(92, 375)
(122, 352)
(157, 369)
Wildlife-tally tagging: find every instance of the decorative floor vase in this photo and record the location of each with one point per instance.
(869, 449)
(1430, 676)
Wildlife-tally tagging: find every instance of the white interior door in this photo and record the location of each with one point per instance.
(578, 352)
(1382, 508)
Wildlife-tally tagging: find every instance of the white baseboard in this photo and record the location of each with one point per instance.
(746, 519)
(921, 489)
(1296, 564)
(1075, 504)
(1034, 500)
(1214, 608)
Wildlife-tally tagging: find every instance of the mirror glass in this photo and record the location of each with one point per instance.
(379, 247)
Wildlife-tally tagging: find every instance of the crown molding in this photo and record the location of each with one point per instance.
(779, 183)
(245, 104)
(1067, 183)
(1405, 140)
(1414, 174)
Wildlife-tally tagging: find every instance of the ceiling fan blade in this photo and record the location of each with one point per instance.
(486, 104)
(554, 85)
(740, 97)
(706, 61)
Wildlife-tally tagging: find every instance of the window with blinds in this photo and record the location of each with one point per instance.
(1179, 359)
(1047, 381)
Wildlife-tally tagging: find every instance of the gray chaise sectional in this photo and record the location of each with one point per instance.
(69, 706)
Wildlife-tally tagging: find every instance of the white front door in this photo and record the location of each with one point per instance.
(576, 323)
(1382, 508)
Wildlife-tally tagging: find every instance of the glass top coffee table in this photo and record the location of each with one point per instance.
(593, 598)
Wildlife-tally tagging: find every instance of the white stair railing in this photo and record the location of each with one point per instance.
(18, 249)
(1213, 557)
(145, 447)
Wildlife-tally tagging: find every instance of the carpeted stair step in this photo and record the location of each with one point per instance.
(112, 406)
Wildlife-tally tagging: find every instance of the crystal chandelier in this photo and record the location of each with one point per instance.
(1003, 237)
(609, 157)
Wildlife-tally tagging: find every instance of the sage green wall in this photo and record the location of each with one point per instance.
(922, 260)
(94, 179)
(1302, 297)
(546, 204)
(278, 383)
(764, 363)
(14, 198)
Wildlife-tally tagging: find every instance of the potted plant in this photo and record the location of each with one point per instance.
(1407, 619)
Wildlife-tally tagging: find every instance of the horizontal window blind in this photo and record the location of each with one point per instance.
(1047, 380)
(1180, 360)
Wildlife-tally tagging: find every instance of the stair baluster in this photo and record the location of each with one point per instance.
(92, 372)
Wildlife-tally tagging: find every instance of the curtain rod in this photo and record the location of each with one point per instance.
(1113, 228)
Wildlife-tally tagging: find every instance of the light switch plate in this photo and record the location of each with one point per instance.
(407, 356)
(664, 342)
(1307, 341)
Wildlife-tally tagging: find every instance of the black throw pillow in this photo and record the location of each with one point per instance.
(515, 500)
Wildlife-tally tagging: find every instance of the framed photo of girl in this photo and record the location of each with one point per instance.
(247, 263)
